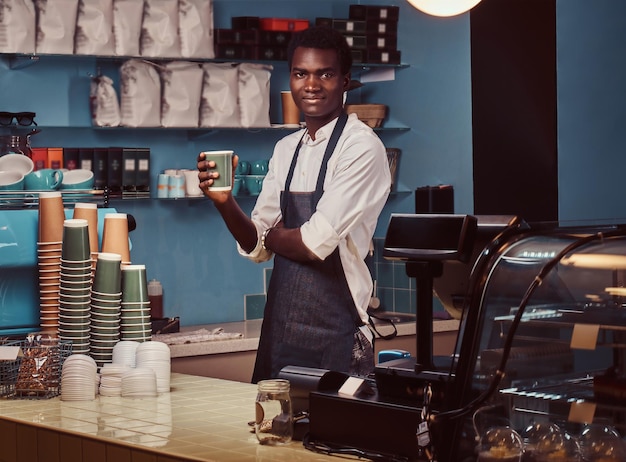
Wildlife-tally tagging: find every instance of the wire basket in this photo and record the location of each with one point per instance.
(37, 373)
(393, 156)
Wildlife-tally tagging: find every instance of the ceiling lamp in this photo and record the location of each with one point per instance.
(444, 7)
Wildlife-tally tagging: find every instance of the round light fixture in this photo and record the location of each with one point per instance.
(444, 8)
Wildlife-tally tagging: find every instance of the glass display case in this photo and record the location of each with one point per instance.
(543, 341)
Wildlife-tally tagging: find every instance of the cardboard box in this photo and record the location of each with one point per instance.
(245, 22)
(274, 38)
(382, 42)
(367, 12)
(142, 174)
(234, 52)
(236, 37)
(381, 27)
(70, 158)
(85, 158)
(129, 168)
(284, 24)
(114, 170)
(383, 56)
(100, 167)
(40, 158)
(357, 41)
(325, 22)
(55, 158)
(349, 26)
(271, 53)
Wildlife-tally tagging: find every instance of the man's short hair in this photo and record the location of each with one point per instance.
(324, 38)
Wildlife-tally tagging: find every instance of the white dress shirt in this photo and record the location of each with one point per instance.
(356, 188)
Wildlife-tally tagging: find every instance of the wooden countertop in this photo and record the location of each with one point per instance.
(251, 331)
(201, 419)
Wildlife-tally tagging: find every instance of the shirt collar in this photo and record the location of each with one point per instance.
(322, 134)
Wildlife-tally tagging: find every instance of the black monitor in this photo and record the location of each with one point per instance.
(428, 237)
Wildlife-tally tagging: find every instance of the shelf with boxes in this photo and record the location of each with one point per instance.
(371, 31)
(117, 171)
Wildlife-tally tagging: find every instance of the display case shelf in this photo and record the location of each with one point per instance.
(29, 199)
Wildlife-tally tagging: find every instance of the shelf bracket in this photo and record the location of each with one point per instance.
(193, 135)
(19, 61)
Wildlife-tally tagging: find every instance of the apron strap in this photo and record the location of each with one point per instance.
(330, 148)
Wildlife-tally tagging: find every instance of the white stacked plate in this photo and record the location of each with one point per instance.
(111, 379)
(124, 353)
(79, 378)
(156, 356)
(139, 382)
(74, 304)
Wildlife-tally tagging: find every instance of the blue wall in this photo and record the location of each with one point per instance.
(591, 108)
(185, 244)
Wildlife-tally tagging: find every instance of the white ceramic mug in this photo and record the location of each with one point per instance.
(192, 183)
(11, 181)
(16, 163)
(77, 179)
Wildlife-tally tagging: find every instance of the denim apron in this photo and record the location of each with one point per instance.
(310, 319)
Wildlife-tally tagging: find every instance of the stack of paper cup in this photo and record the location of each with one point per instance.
(50, 235)
(106, 299)
(89, 212)
(75, 285)
(135, 321)
(115, 236)
(49, 265)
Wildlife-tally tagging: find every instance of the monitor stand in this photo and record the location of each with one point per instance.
(424, 272)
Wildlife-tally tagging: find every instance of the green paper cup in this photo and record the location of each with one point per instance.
(224, 166)
(134, 284)
(75, 245)
(108, 274)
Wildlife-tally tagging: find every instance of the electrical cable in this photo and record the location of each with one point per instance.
(325, 448)
(499, 374)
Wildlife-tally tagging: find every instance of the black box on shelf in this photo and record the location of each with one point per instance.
(70, 158)
(100, 167)
(114, 170)
(358, 56)
(235, 52)
(357, 41)
(383, 56)
(129, 169)
(245, 22)
(367, 12)
(274, 38)
(85, 158)
(349, 26)
(381, 42)
(271, 53)
(381, 27)
(236, 36)
(325, 22)
(142, 174)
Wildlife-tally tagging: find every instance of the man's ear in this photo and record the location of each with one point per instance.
(346, 81)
